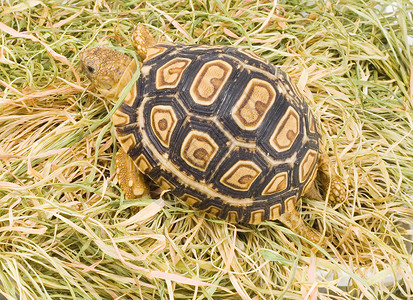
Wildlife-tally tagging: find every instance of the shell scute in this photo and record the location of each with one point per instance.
(222, 129)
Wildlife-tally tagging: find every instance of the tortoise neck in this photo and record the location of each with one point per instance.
(123, 82)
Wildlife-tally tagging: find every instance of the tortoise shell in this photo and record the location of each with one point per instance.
(222, 129)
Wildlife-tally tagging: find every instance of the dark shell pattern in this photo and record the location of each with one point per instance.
(222, 129)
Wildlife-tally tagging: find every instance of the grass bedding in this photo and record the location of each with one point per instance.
(66, 232)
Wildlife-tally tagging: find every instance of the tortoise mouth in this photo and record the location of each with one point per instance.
(109, 70)
(87, 70)
(102, 82)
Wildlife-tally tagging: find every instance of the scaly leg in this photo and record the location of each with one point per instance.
(142, 40)
(327, 178)
(293, 221)
(130, 179)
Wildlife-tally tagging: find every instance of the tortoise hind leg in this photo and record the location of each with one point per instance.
(337, 190)
(293, 221)
(130, 179)
(327, 179)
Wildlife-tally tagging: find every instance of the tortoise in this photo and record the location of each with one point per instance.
(219, 127)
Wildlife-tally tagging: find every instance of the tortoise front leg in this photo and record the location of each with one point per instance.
(130, 179)
(142, 40)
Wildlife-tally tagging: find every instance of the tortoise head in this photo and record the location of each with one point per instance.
(109, 70)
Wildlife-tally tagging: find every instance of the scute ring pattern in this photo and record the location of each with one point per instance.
(242, 158)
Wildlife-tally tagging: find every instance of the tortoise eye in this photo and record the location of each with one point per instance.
(90, 69)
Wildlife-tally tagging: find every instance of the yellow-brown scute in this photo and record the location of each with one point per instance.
(222, 130)
(104, 66)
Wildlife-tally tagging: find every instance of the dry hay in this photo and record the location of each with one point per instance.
(66, 230)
